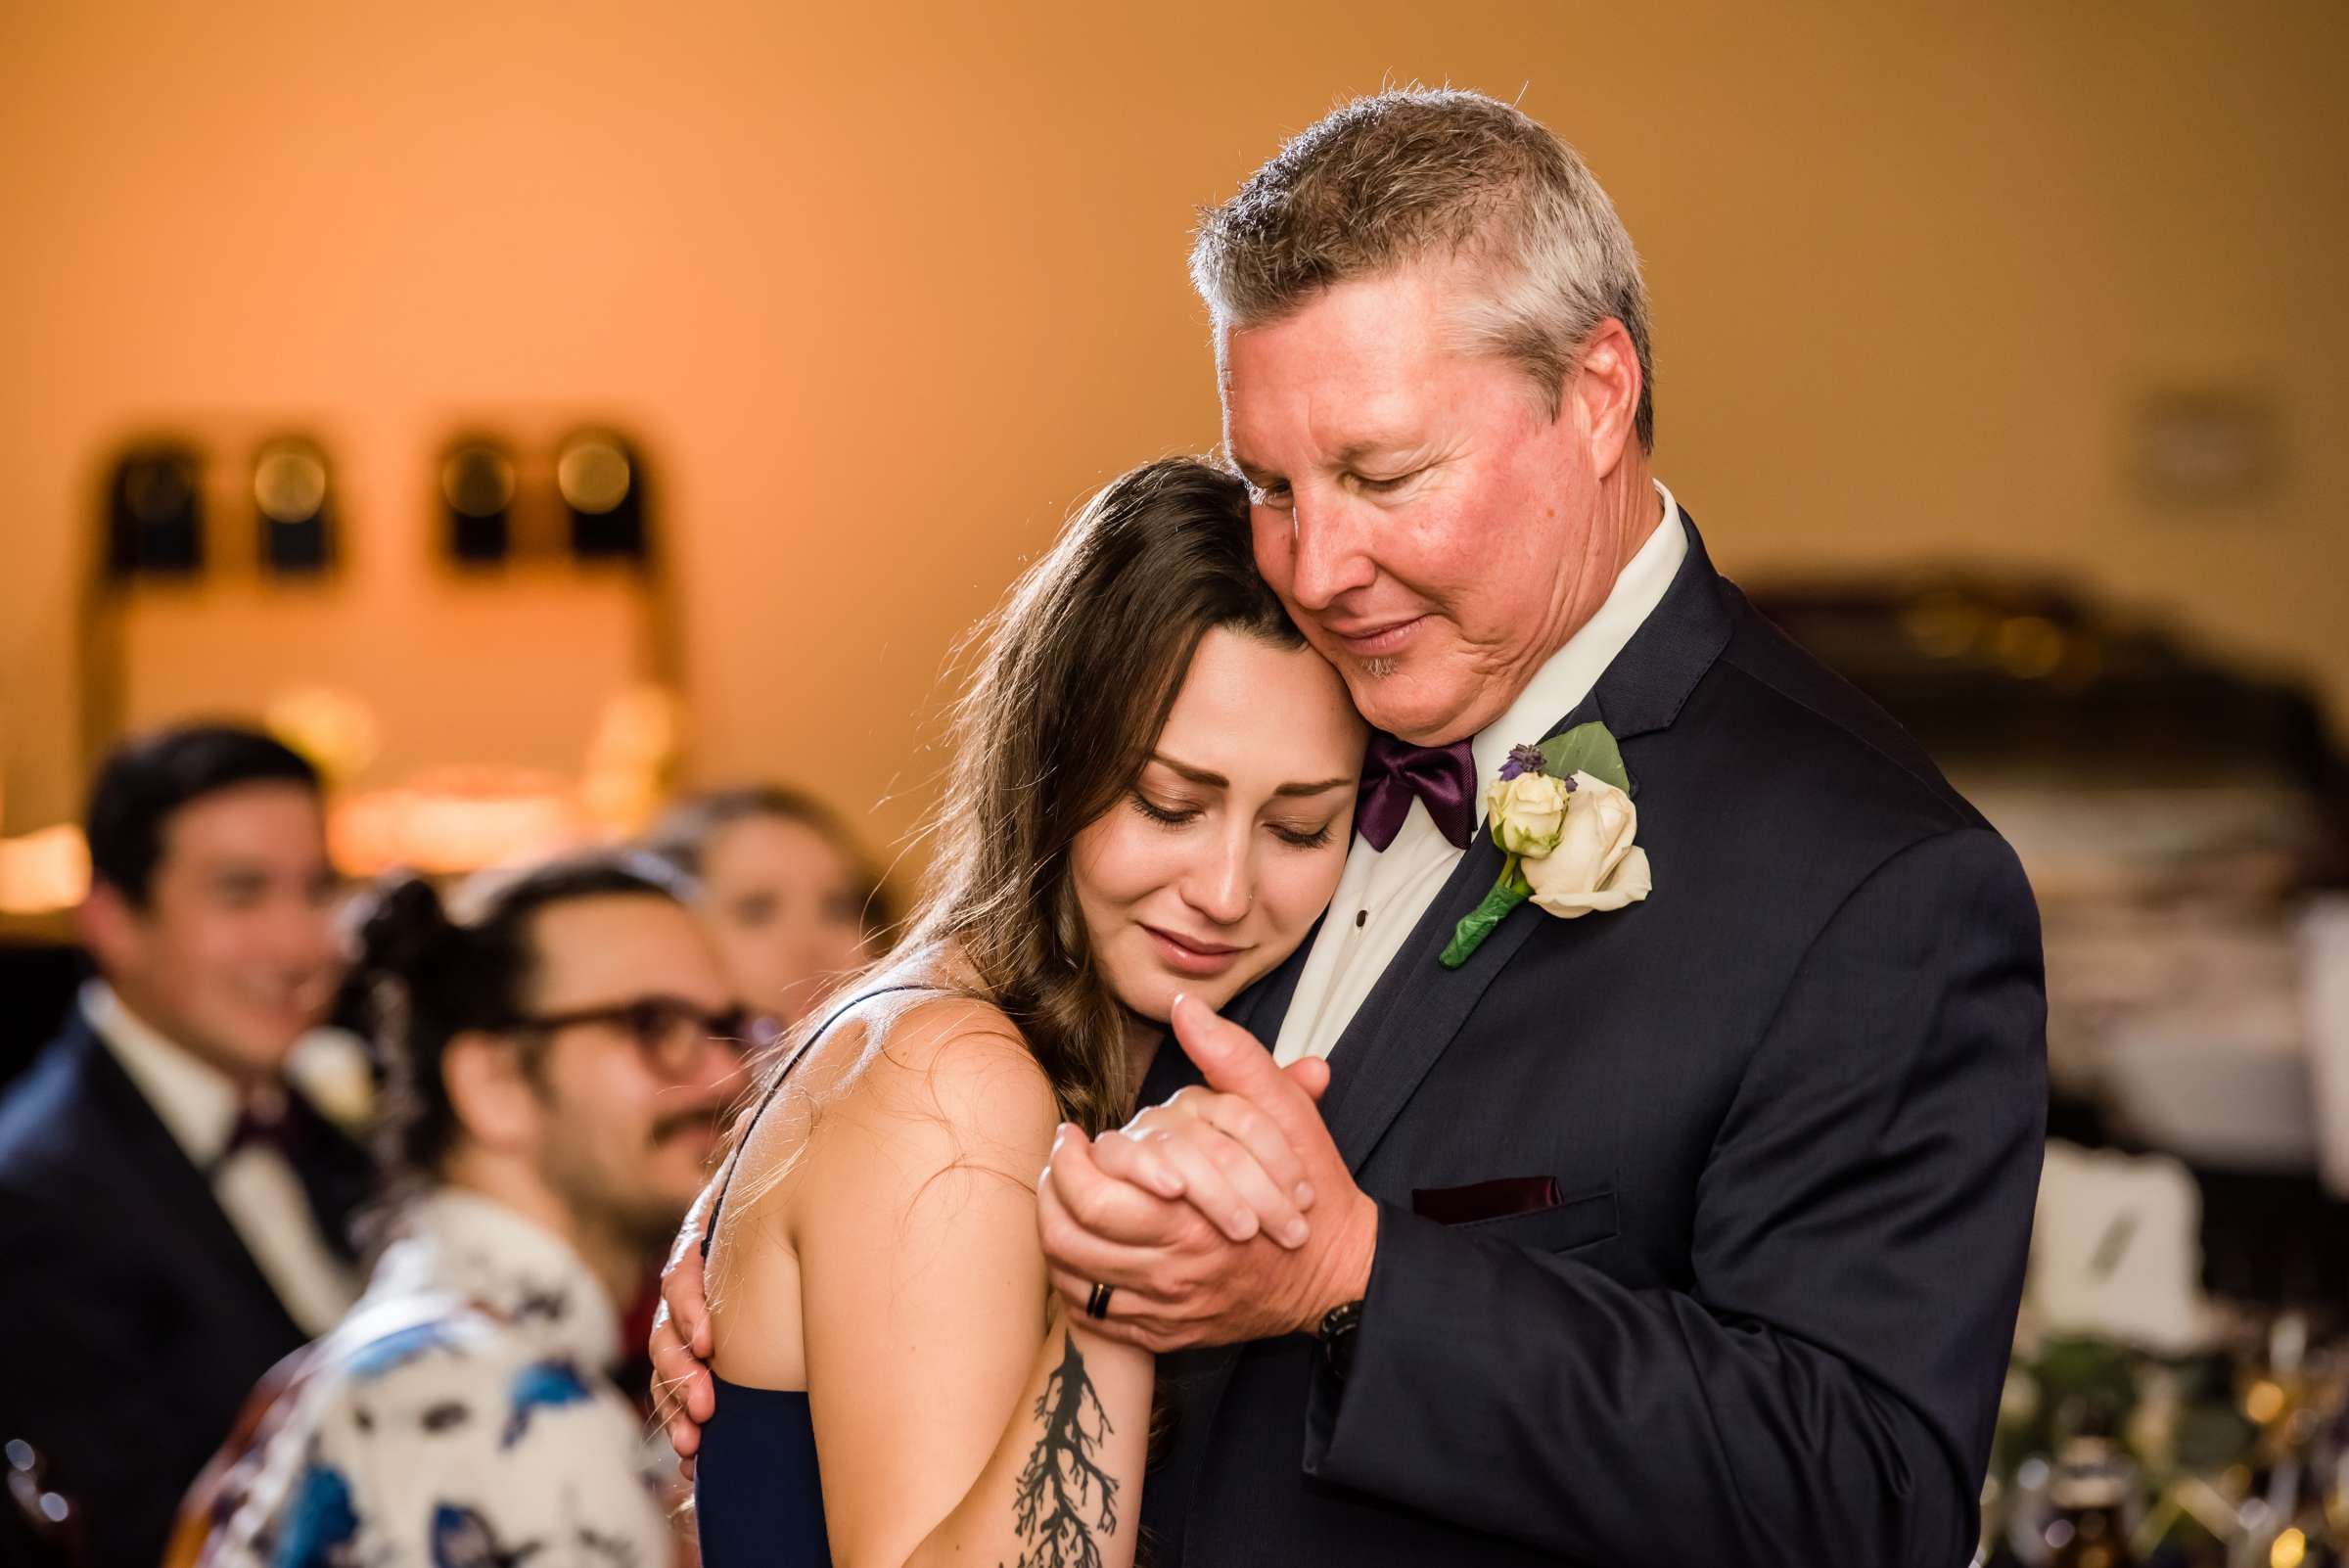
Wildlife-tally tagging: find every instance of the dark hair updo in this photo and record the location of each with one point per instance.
(430, 977)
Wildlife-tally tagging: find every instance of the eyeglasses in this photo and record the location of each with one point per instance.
(669, 1031)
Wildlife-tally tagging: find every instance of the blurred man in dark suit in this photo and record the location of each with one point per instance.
(173, 1217)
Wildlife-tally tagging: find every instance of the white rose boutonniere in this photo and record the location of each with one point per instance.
(1596, 865)
(1562, 814)
(1528, 813)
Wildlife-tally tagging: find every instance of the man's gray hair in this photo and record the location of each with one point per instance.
(1405, 176)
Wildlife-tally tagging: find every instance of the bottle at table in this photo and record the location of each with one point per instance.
(2089, 1495)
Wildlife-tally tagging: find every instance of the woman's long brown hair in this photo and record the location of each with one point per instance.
(1076, 673)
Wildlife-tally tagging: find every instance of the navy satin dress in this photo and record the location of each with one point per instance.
(757, 1497)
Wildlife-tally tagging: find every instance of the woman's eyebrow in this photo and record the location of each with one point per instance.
(1216, 781)
(1197, 775)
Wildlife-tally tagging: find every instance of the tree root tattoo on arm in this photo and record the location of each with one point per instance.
(1065, 1495)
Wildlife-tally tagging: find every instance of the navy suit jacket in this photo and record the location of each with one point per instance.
(133, 1323)
(1792, 1106)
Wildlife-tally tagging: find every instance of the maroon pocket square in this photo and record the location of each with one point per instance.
(1497, 1199)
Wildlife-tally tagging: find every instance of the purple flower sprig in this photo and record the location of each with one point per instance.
(1523, 760)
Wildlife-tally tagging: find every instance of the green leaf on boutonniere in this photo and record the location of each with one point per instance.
(1585, 749)
(1469, 934)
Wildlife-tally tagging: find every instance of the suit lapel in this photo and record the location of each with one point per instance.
(1266, 1005)
(159, 1170)
(1417, 1007)
(1199, 1376)
(1170, 1071)
(1402, 1027)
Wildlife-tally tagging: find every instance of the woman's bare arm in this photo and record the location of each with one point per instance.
(954, 1420)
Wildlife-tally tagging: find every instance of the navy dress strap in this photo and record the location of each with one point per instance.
(772, 1089)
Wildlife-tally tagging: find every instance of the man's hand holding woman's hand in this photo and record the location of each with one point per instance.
(1194, 1212)
(1223, 1214)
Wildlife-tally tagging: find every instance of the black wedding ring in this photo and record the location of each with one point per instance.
(1096, 1306)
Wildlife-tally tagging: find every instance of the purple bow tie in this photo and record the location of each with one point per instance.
(1442, 777)
(266, 1120)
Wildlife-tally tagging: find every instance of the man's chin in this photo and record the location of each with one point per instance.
(257, 1045)
(1405, 707)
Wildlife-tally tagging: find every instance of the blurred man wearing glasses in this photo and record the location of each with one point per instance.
(560, 1065)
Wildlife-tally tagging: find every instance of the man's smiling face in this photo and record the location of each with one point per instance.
(1432, 530)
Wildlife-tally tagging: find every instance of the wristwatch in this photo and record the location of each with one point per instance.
(1338, 1328)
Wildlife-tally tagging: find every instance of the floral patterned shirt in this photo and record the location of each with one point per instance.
(459, 1418)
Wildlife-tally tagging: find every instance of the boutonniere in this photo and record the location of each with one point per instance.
(1562, 814)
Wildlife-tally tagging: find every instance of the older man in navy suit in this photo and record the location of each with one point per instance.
(173, 1215)
(1682, 1216)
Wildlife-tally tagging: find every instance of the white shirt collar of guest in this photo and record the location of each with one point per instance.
(1559, 686)
(461, 1244)
(196, 1101)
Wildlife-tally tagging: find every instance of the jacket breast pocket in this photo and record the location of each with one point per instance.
(1575, 1220)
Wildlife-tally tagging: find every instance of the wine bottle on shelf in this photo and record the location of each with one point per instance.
(2090, 1494)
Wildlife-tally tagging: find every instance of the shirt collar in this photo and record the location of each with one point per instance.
(196, 1101)
(1559, 686)
(461, 1244)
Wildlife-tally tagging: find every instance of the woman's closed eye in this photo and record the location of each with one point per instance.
(1301, 838)
(1165, 815)
(1295, 834)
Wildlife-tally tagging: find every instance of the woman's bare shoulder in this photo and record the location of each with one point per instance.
(951, 1069)
(920, 1118)
(918, 1084)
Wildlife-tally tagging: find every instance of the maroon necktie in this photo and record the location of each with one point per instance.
(1442, 777)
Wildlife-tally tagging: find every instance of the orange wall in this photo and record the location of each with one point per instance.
(885, 289)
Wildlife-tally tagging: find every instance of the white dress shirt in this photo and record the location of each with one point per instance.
(255, 1186)
(1382, 894)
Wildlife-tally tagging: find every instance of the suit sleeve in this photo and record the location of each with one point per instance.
(72, 1383)
(1824, 1389)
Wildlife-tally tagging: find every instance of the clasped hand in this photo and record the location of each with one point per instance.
(1224, 1214)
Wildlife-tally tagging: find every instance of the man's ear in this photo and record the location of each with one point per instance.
(1603, 392)
(496, 1104)
(110, 928)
